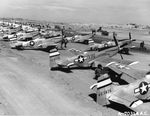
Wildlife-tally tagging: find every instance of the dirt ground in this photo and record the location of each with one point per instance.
(28, 87)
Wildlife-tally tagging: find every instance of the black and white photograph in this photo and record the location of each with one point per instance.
(75, 57)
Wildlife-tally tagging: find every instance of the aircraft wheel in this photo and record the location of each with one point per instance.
(91, 48)
(86, 41)
(68, 68)
(95, 49)
(126, 50)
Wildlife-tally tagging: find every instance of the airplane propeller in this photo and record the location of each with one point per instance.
(114, 36)
(121, 56)
(130, 37)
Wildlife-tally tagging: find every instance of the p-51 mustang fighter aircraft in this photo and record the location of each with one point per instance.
(102, 46)
(81, 59)
(39, 43)
(86, 39)
(124, 44)
(130, 95)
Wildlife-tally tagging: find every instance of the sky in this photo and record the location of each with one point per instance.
(83, 11)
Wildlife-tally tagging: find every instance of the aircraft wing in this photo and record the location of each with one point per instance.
(84, 39)
(114, 62)
(46, 45)
(120, 67)
(123, 98)
(65, 63)
(75, 51)
(129, 46)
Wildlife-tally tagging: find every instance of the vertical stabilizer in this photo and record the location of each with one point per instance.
(103, 87)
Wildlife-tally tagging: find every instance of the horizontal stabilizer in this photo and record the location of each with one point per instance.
(54, 53)
(136, 103)
(90, 41)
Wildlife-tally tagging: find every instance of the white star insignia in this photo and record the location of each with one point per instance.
(143, 88)
(80, 59)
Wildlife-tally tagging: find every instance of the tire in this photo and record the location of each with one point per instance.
(91, 49)
(86, 42)
(126, 50)
(95, 49)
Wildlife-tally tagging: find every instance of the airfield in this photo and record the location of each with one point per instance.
(29, 87)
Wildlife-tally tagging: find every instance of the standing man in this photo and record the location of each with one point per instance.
(62, 34)
(98, 71)
(64, 40)
(142, 44)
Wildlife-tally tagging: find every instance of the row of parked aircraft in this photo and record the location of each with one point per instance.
(98, 52)
(130, 95)
(86, 58)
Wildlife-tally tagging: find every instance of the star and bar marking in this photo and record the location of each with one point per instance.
(143, 88)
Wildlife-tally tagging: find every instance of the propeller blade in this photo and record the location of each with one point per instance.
(130, 37)
(121, 56)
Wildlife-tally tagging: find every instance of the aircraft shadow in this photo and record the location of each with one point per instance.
(93, 96)
(117, 78)
(66, 70)
(145, 101)
(81, 68)
(69, 70)
(120, 107)
(127, 53)
(141, 50)
(44, 50)
(113, 105)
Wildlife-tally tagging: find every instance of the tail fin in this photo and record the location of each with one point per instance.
(130, 37)
(53, 56)
(103, 85)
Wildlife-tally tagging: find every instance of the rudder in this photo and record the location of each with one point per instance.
(103, 87)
